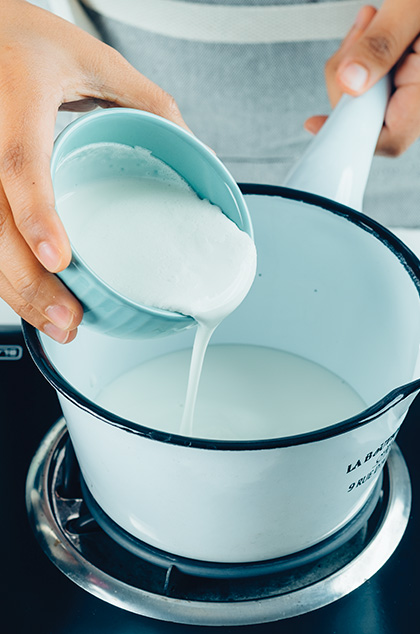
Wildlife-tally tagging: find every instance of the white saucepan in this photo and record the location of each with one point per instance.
(332, 286)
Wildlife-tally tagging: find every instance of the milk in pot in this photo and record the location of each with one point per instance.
(156, 242)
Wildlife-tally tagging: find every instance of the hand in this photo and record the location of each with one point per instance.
(380, 42)
(47, 63)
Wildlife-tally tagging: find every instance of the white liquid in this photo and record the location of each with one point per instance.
(246, 393)
(156, 242)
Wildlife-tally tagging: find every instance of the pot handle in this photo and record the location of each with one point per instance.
(337, 162)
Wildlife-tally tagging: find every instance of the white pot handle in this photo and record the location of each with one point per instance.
(337, 162)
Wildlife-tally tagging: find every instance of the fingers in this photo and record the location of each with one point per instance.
(315, 123)
(111, 77)
(29, 289)
(32, 238)
(46, 63)
(402, 118)
(380, 42)
(363, 18)
(334, 87)
(25, 151)
(25, 310)
(390, 31)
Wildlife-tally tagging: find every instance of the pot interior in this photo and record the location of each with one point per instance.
(331, 286)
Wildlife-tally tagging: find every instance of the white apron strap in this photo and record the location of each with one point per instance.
(232, 23)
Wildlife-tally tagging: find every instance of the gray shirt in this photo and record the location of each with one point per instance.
(248, 102)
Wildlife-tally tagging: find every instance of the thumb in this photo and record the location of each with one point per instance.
(378, 49)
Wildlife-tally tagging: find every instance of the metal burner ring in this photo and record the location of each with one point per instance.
(72, 563)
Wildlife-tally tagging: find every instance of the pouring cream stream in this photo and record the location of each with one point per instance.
(156, 242)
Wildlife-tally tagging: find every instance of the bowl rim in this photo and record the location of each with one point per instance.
(78, 262)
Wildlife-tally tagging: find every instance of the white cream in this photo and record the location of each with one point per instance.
(156, 242)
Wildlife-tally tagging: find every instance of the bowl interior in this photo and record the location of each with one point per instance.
(202, 170)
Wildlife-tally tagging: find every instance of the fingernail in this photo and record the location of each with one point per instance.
(49, 256)
(55, 333)
(309, 127)
(60, 316)
(354, 76)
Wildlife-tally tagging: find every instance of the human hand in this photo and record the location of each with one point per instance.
(380, 42)
(46, 64)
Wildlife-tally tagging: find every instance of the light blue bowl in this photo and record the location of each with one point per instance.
(105, 309)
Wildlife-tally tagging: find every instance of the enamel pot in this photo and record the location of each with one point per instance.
(332, 286)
